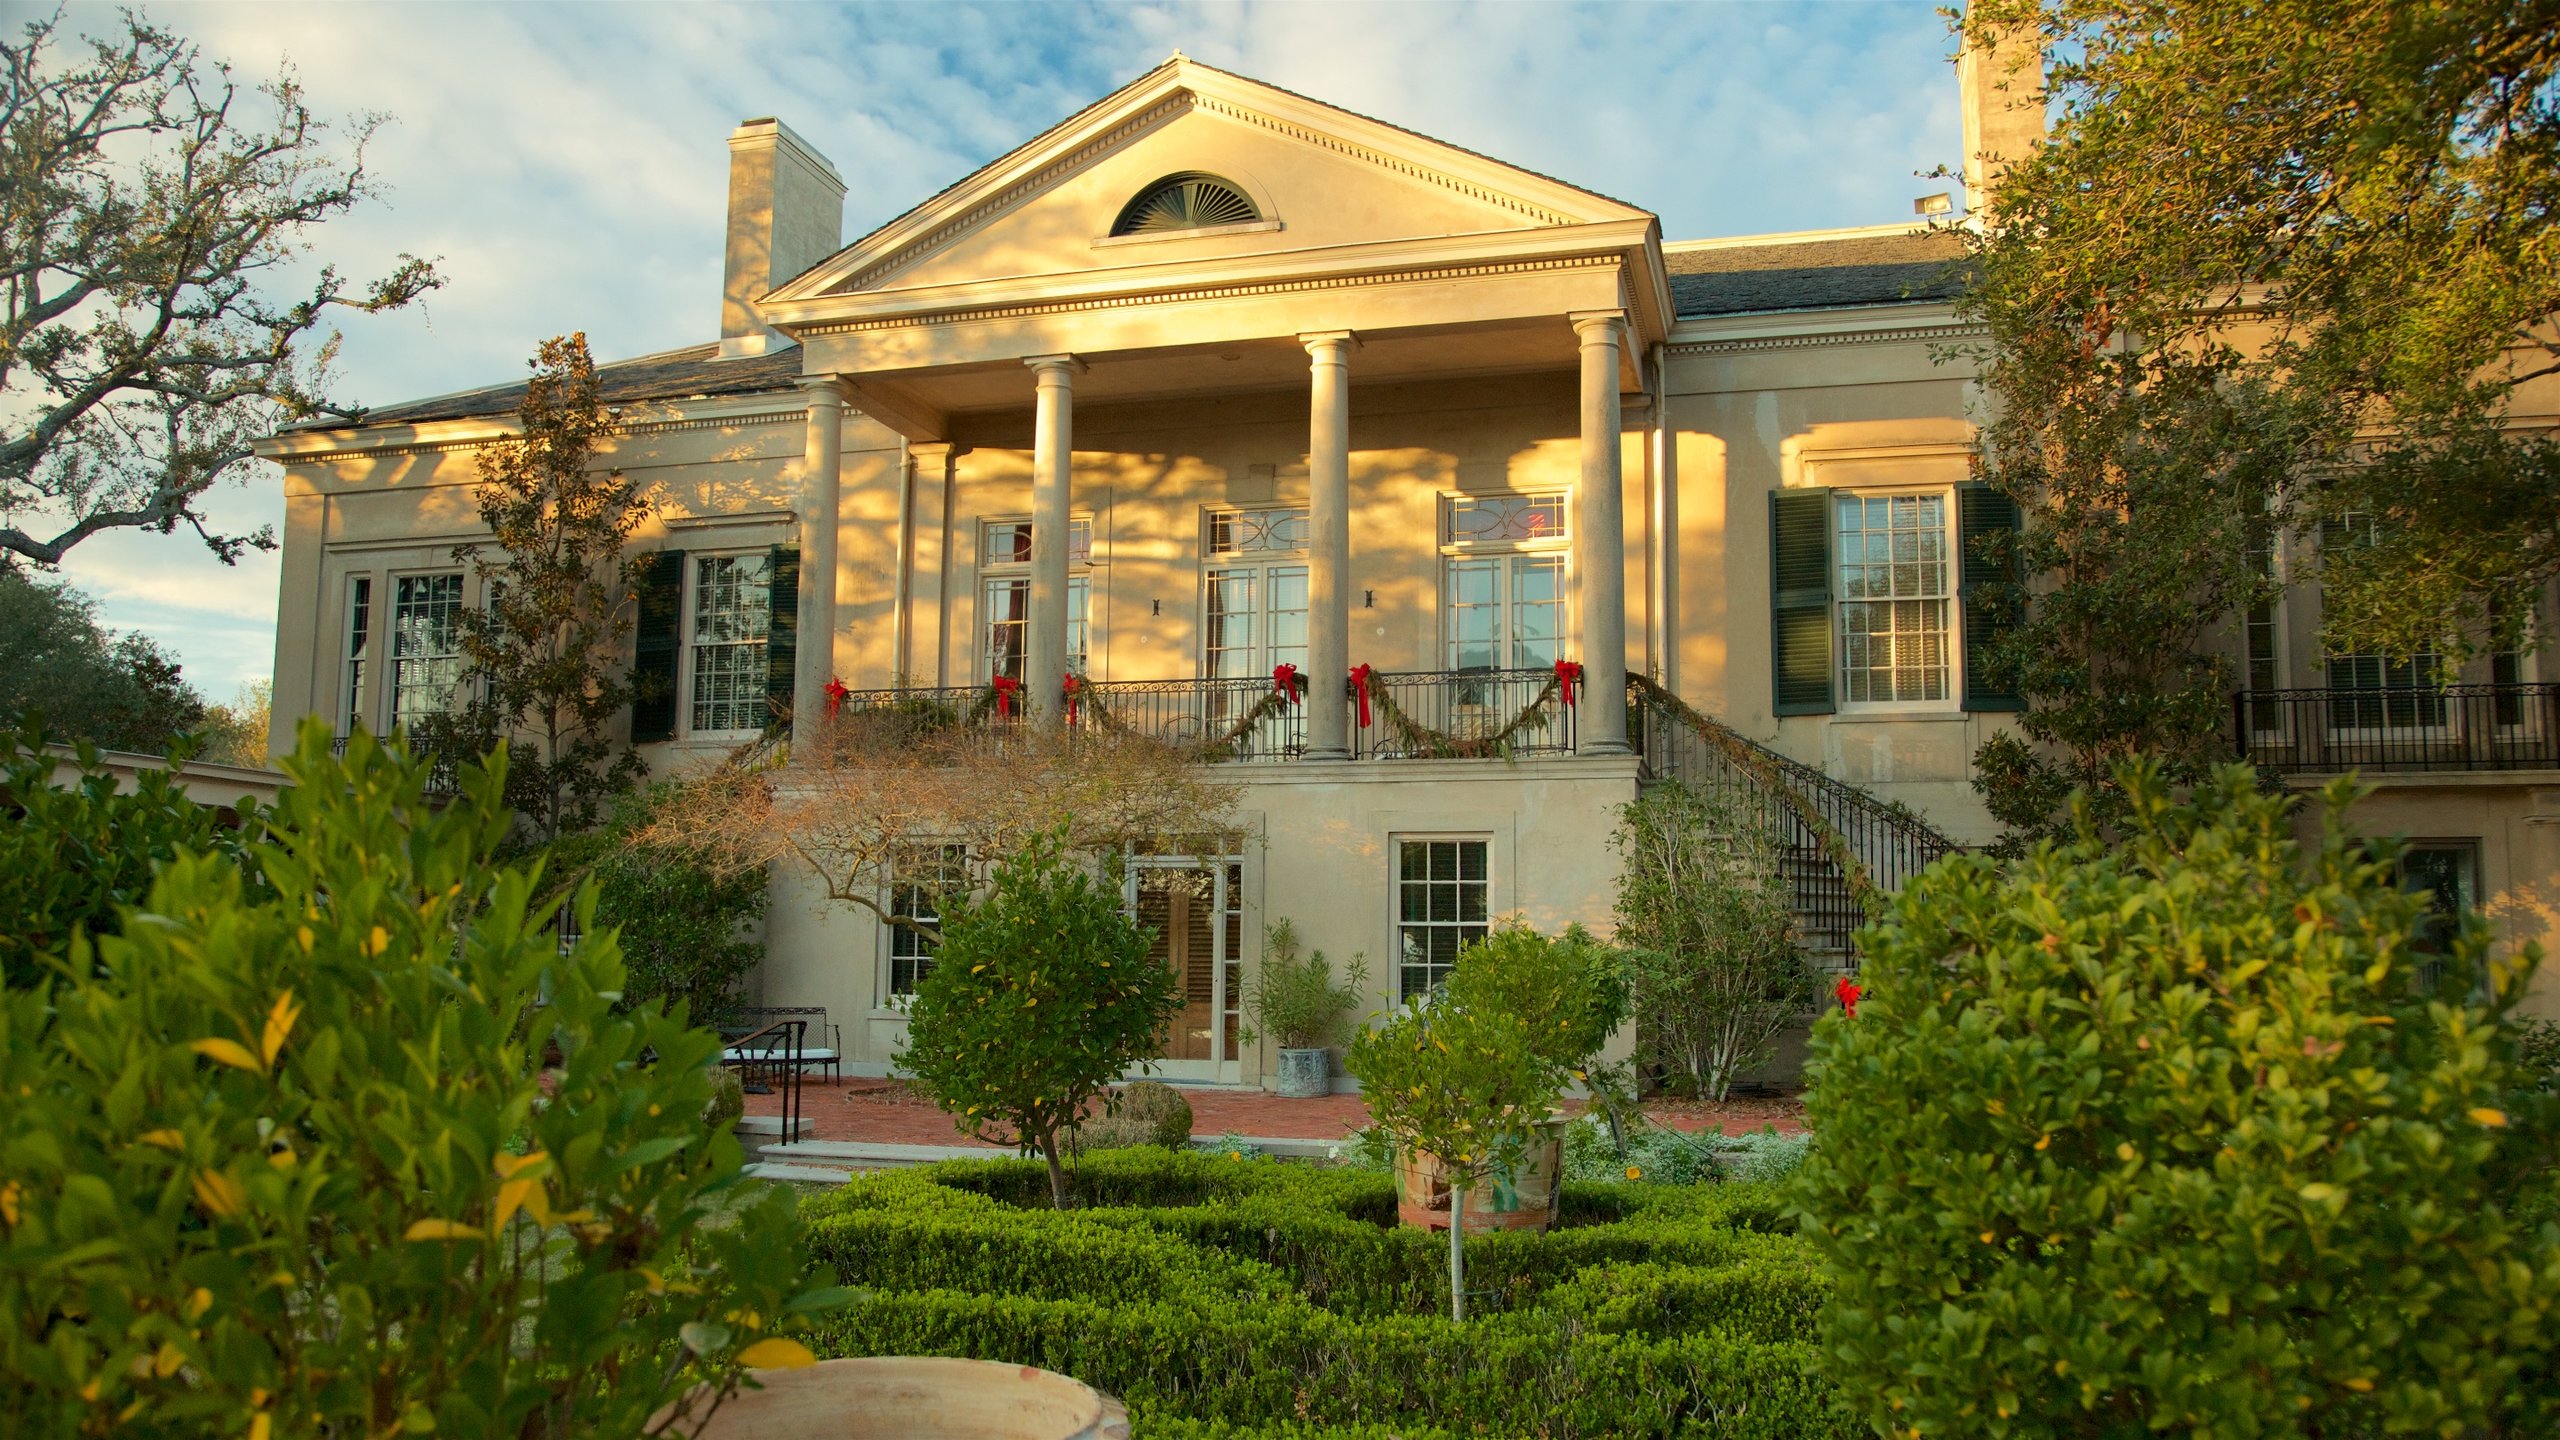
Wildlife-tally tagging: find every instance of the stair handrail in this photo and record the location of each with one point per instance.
(1806, 792)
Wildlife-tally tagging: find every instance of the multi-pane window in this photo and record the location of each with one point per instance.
(2447, 873)
(924, 878)
(426, 645)
(2265, 671)
(1502, 599)
(1004, 560)
(1256, 585)
(732, 605)
(2404, 690)
(1895, 587)
(1443, 901)
(359, 648)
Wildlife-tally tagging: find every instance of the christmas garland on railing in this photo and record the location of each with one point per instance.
(1420, 741)
(1641, 690)
(1082, 695)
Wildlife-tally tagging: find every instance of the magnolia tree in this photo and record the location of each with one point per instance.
(1043, 996)
(1705, 922)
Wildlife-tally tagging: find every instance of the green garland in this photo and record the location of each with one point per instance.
(1206, 752)
(1423, 742)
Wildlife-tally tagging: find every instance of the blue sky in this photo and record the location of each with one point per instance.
(567, 162)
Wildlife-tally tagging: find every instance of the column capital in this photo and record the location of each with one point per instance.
(935, 449)
(822, 389)
(1339, 341)
(1048, 365)
(1596, 326)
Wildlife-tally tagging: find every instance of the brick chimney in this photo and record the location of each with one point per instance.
(2001, 74)
(786, 213)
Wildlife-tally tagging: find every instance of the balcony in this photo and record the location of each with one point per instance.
(2407, 731)
(1417, 715)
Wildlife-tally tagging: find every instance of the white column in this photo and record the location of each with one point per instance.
(1600, 539)
(1328, 543)
(821, 481)
(1044, 664)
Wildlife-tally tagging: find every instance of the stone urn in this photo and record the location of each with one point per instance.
(1529, 1196)
(895, 1398)
(1305, 1074)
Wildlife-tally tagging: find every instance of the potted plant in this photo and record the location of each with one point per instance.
(1293, 999)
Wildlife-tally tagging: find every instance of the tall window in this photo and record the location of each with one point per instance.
(2403, 690)
(2265, 671)
(1895, 585)
(359, 647)
(1502, 591)
(2448, 874)
(426, 645)
(1004, 563)
(925, 877)
(1443, 901)
(731, 616)
(1256, 581)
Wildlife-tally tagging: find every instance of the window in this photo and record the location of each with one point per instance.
(923, 879)
(2406, 691)
(2448, 874)
(359, 645)
(1893, 592)
(1004, 563)
(426, 645)
(1442, 903)
(1502, 589)
(731, 618)
(2266, 713)
(1186, 202)
(1256, 586)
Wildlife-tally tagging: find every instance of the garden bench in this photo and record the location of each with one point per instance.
(829, 1051)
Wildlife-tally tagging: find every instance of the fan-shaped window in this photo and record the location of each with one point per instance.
(1185, 202)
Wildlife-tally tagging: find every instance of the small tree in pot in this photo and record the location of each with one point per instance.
(1294, 1000)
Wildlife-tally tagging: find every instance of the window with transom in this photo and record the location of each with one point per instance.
(1256, 592)
(1004, 568)
(1502, 597)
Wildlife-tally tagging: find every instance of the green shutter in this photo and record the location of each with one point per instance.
(1987, 586)
(782, 635)
(658, 581)
(1800, 602)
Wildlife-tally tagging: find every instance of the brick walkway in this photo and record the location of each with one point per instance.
(891, 1112)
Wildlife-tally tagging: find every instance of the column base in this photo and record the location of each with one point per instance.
(1605, 747)
(1324, 752)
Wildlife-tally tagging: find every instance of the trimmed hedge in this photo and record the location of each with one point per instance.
(1225, 1298)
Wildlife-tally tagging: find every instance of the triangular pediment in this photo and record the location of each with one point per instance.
(1319, 179)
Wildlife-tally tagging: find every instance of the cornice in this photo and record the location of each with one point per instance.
(1240, 289)
(1429, 175)
(493, 433)
(1811, 339)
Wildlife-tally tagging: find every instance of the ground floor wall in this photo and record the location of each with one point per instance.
(1385, 863)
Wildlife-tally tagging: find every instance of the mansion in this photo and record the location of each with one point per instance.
(1212, 378)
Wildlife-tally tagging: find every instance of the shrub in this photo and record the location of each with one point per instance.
(686, 923)
(294, 1161)
(1041, 997)
(1708, 927)
(1570, 991)
(2163, 1133)
(1293, 997)
(1144, 1112)
(74, 852)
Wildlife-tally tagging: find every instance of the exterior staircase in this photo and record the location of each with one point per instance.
(1842, 850)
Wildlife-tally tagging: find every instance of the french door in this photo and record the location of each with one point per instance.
(1194, 906)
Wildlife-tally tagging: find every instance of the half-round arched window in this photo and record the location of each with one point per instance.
(1185, 202)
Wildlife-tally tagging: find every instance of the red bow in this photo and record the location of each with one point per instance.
(836, 691)
(1286, 679)
(1071, 699)
(1848, 991)
(1005, 686)
(1360, 688)
(1568, 675)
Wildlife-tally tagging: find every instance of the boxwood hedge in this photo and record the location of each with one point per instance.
(1226, 1298)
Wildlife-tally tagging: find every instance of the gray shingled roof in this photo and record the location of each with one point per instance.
(667, 375)
(1817, 274)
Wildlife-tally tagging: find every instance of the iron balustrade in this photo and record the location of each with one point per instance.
(1463, 714)
(444, 772)
(2399, 730)
(1237, 718)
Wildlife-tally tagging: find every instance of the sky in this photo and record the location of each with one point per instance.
(566, 165)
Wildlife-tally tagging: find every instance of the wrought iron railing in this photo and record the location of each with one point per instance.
(1463, 714)
(1239, 718)
(2399, 731)
(1843, 849)
(444, 774)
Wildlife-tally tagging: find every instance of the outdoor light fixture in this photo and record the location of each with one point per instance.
(1934, 206)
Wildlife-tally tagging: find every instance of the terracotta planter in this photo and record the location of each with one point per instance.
(893, 1398)
(1529, 1196)
(1305, 1074)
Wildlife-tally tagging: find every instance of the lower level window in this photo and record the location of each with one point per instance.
(1443, 893)
(732, 615)
(924, 880)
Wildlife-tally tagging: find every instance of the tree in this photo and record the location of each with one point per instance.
(685, 922)
(1043, 996)
(544, 656)
(236, 733)
(2175, 1129)
(141, 206)
(1709, 934)
(2276, 264)
(119, 692)
(369, 1154)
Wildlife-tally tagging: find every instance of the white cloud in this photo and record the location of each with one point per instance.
(566, 163)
